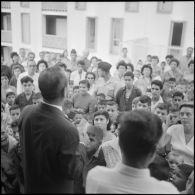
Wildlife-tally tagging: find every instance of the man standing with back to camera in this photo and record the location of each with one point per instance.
(48, 140)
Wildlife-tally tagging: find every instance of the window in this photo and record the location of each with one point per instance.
(24, 4)
(165, 7)
(5, 21)
(131, 6)
(25, 22)
(56, 25)
(80, 5)
(91, 33)
(116, 35)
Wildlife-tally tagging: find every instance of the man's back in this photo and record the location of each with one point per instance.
(49, 143)
(125, 179)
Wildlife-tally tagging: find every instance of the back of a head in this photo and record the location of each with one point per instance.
(52, 83)
(139, 134)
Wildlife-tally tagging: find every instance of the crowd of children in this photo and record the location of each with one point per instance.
(95, 100)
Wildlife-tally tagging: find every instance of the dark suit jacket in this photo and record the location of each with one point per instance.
(49, 143)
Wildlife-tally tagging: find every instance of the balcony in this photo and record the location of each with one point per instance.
(6, 36)
(53, 41)
(5, 4)
(54, 6)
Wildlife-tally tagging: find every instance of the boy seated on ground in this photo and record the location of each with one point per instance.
(144, 102)
(25, 98)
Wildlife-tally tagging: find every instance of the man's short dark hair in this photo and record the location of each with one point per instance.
(121, 63)
(169, 56)
(163, 106)
(10, 93)
(52, 83)
(26, 79)
(129, 74)
(139, 134)
(73, 51)
(85, 82)
(101, 94)
(111, 103)
(81, 62)
(13, 54)
(145, 99)
(172, 79)
(155, 57)
(187, 104)
(175, 60)
(158, 83)
(178, 94)
(14, 107)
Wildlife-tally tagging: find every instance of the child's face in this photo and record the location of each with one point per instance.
(172, 84)
(177, 101)
(101, 107)
(143, 106)
(174, 117)
(174, 161)
(36, 101)
(76, 91)
(17, 72)
(173, 65)
(162, 114)
(11, 99)
(28, 87)
(83, 89)
(78, 117)
(99, 98)
(112, 111)
(134, 106)
(15, 114)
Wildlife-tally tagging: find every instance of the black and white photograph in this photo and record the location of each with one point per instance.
(97, 97)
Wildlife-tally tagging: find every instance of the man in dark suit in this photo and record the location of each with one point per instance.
(48, 140)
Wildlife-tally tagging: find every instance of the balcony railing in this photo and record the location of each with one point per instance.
(53, 41)
(54, 6)
(6, 36)
(5, 4)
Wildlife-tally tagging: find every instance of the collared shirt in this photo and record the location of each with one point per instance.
(53, 105)
(76, 77)
(179, 144)
(126, 104)
(35, 82)
(124, 179)
(154, 104)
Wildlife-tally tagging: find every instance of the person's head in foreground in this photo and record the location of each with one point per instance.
(52, 84)
(139, 134)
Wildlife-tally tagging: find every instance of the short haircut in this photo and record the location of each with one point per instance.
(175, 60)
(145, 99)
(129, 74)
(81, 62)
(187, 104)
(42, 61)
(178, 94)
(121, 63)
(163, 106)
(103, 102)
(169, 56)
(14, 107)
(190, 62)
(139, 134)
(73, 51)
(10, 93)
(75, 87)
(13, 54)
(90, 73)
(147, 66)
(130, 65)
(52, 83)
(111, 103)
(172, 79)
(31, 53)
(158, 83)
(26, 79)
(85, 82)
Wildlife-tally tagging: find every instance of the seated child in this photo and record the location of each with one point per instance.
(134, 103)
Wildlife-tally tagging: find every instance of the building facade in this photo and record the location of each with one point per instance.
(156, 28)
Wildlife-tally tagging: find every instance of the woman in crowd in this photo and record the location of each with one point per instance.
(41, 65)
(90, 76)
